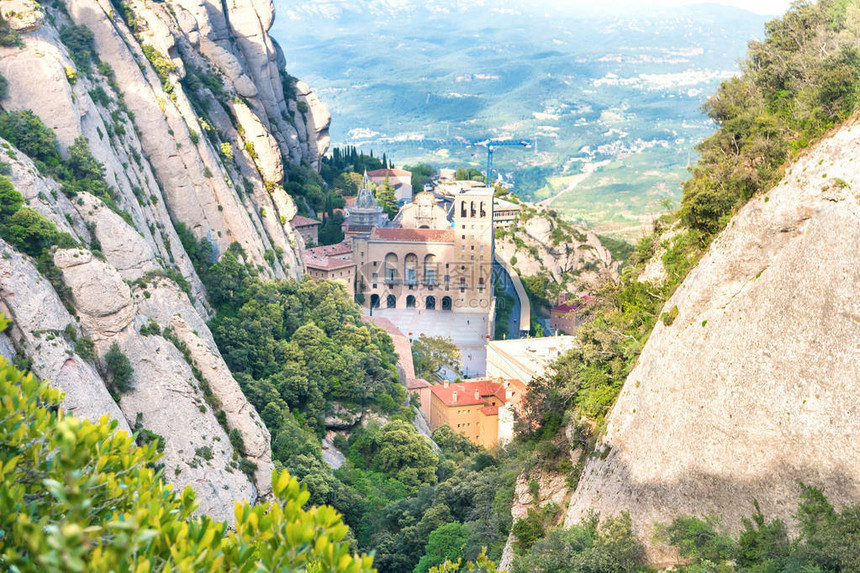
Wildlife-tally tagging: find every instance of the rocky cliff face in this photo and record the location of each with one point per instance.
(538, 245)
(194, 118)
(753, 386)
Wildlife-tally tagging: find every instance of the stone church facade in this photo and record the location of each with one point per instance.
(433, 259)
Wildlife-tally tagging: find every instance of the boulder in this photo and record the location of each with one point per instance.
(123, 247)
(40, 320)
(22, 15)
(339, 418)
(98, 291)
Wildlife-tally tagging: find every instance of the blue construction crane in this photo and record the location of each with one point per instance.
(490, 144)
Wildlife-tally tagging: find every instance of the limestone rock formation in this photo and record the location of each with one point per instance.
(22, 15)
(754, 385)
(40, 323)
(189, 110)
(534, 246)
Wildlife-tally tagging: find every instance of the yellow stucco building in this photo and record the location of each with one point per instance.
(473, 408)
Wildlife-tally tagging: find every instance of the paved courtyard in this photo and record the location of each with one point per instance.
(468, 331)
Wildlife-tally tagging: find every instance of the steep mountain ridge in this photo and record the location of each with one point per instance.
(749, 384)
(188, 111)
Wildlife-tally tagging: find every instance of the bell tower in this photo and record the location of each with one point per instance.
(471, 270)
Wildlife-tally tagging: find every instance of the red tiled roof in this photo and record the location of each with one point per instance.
(572, 306)
(412, 235)
(299, 221)
(390, 172)
(350, 201)
(327, 263)
(466, 392)
(416, 383)
(490, 410)
(341, 248)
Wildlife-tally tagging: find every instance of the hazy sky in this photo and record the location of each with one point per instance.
(771, 7)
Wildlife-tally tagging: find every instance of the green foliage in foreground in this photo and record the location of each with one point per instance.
(80, 496)
(829, 540)
(480, 565)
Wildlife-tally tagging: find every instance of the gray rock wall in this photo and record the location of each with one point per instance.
(213, 159)
(754, 386)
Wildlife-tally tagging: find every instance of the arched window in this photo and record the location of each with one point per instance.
(483, 210)
(430, 266)
(410, 269)
(374, 301)
(391, 301)
(390, 270)
(410, 301)
(474, 212)
(430, 303)
(462, 208)
(446, 303)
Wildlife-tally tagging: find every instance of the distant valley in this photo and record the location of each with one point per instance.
(613, 102)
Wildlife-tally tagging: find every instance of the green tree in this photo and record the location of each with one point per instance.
(386, 198)
(82, 163)
(119, 369)
(587, 547)
(468, 174)
(330, 231)
(422, 173)
(95, 504)
(25, 130)
(403, 453)
(29, 231)
(446, 543)
(79, 41)
(9, 36)
(453, 445)
(10, 199)
(432, 354)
